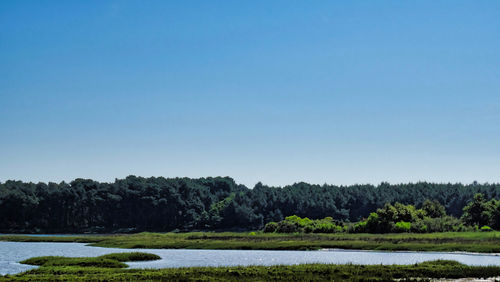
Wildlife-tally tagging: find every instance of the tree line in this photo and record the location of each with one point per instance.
(479, 214)
(213, 203)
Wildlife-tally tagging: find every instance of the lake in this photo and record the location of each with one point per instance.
(13, 252)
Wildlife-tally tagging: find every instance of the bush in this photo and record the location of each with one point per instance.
(359, 227)
(302, 222)
(327, 227)
(486, 229)
(433, 209)
(373, 223)
(419, 226)
(294, 223)
(394, 218)
(444, 224)
(271, 227)
(287, 226)
(402, 226)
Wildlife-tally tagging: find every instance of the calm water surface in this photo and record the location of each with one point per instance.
(13, 252)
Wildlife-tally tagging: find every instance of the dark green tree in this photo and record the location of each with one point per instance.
(433, 209)
(478, 212)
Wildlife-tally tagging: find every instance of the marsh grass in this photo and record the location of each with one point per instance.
(112, 268)
(481, 242)
(81, 262)
(136, 256)
(306, 272)
(107, 261)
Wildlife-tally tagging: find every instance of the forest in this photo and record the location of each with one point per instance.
(479, 214)
(136, 204)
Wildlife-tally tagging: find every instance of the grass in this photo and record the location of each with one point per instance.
(107, 261)
(82, 262)
(66, 269)
(481, 242)
(136, 256)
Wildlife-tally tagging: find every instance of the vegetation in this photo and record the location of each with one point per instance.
(480, 212)
(158, 204)
(399, 218)
(485, 242)
(109, 261)
(136, 256)
(307, 272)
(294, 224)
(82, 262)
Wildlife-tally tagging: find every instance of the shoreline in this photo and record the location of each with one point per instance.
(397, 251)
(450, 242)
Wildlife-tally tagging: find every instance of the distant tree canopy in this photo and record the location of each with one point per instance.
(431, 217)
(481, 212)
(161, 204)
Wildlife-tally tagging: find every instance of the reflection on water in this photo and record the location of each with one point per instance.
(13, 252)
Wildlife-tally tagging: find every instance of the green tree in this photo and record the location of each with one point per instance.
(433, 209)
(478, 212)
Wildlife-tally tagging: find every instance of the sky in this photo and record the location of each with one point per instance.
(337, 92)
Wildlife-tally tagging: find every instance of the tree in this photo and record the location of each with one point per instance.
(213, 203)
(495, 222)
(478, 212)
(433, 209)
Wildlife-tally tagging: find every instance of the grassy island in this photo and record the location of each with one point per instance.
(481, 242)
(111, 268)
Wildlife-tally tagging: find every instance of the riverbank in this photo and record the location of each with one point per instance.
(111, 268)
(479, 242)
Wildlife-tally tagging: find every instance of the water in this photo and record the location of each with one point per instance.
(13, 252)
(50, 235)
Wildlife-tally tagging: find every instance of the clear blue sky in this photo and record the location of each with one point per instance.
(340, 92)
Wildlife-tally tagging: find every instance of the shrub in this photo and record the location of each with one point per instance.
(402, 226)
(444, 224)
(433, 209)
(287, 226)
(486, 229)
(327, 227)
(419, 226)
(271, 227)
(373, 223)
(359, 227)
(294, 223)
(309, 228)
(298, 220)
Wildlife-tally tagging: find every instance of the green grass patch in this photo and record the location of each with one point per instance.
(107, 261)
(81, 262)
(306, 272)
(481, 242)
(131, 256)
